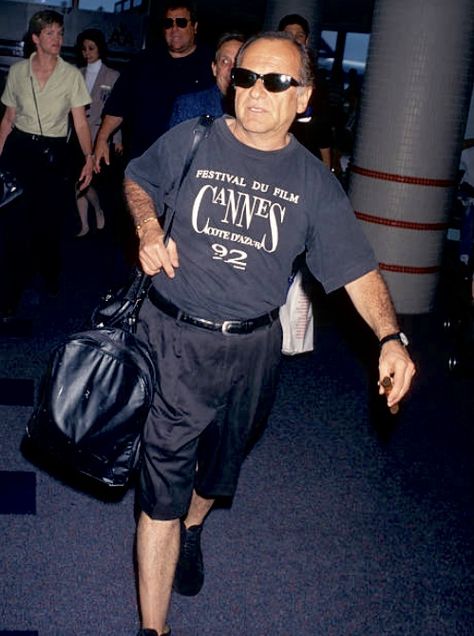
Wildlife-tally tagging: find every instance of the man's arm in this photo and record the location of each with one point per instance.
(371, 298)
(109, 124)
(154, 255)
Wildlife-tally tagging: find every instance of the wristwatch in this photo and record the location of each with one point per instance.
(399, 335)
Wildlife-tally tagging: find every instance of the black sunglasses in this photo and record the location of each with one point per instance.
(181, 23)
(273, 82)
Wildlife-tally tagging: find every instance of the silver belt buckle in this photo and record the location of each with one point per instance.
(228, 324)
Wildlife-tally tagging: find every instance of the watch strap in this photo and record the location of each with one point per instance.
(400, 336)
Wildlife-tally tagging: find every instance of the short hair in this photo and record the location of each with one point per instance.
(96, 36)
(228, 37)
(170, 5)
(42, 19)
(306, 66)
(294, 18)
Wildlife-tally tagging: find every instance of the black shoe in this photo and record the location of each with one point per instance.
(153, 632)
(189, 576)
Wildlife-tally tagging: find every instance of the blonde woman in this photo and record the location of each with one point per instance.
(40, 94)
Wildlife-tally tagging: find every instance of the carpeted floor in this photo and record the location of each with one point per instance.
(347, 521)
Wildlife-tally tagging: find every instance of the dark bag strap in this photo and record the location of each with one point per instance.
(122, 308)
(201, 130)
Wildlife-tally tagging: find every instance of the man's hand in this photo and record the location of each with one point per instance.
(371, 298)
(102, 153)
(395, 363)
(109, 124)
(154, 255)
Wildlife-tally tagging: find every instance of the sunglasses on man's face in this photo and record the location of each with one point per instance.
(273, 82)
(181, 23)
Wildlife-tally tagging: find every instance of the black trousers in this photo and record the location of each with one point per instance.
(213, 391)
(31, 225)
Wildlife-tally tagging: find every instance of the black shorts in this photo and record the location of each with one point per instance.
(213, 389)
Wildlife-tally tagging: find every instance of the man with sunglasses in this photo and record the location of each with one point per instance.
(217, 100)
(142, 98)
(254, 199)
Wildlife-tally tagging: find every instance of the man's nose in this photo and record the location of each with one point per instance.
(258, 89)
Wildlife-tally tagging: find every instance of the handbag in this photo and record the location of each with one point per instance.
(96, 393)
(10, 187)
(297, 320)
(98, 387)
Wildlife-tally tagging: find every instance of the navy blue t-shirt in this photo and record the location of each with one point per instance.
(145, 92)
(242, 216)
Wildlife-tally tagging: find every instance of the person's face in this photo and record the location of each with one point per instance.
(264, 117)
(180, 41)
(225, 58)
(90, 51)
(50, 39)
(297, 33)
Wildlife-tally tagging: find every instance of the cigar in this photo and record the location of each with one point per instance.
(387, 386)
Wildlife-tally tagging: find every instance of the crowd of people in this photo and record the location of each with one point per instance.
(254, 200)
(125, 114)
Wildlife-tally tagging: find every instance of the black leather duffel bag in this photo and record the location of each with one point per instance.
(95, 395)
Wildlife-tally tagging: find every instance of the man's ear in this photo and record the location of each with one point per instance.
(195, 27)
(303, 94)
(214, 68)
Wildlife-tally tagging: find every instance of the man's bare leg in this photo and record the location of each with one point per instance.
(157, 553)
(198, 509)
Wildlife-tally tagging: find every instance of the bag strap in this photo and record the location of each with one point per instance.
(201, 130)
(36, 106)
(141, 283)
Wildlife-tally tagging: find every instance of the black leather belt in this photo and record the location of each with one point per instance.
(43, 138)
(224, 326)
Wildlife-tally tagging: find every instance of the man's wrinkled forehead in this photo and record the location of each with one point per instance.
(282, 55)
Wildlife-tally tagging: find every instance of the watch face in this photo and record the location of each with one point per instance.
(403, 339)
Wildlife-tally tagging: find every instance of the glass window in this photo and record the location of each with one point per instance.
(355, 50)
(327, 46)
(65, 4)
(330, 38)
(97, 5)
(88, 5)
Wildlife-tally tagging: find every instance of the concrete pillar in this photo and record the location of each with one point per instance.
(413, 114)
